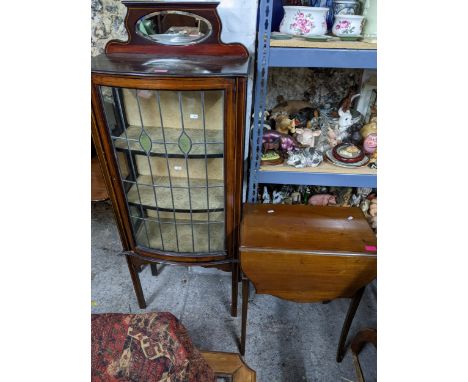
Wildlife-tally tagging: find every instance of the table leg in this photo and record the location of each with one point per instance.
(234, 288)
(347, 323)
(136, 283)
(154, 269)
(245, 303)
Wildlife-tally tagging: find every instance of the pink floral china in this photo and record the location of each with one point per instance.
(304, 21)
(348, 25)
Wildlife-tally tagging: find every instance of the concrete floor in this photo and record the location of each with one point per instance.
(286, 341)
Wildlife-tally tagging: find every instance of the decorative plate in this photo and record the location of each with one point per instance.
(350, 38)
(329, 155)
(316, 38)
(347, 153)
(280, 36)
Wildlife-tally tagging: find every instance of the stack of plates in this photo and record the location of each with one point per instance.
(347, 155)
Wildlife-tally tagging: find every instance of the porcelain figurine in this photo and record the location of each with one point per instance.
(277, 197)
(365, 206)
(306, 137)
(369, 134)
(346, 118)
(296, 197)
(370, 144)
(369, 128)
(332, 136)
(266, 196)
(322, 200)
(285, 142)
(284, 125)
(303, 117)
(308, 157)
(289, 107)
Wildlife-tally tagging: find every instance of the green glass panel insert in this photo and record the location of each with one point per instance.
(185, 143)
(145, 142)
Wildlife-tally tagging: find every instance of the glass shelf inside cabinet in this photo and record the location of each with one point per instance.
(169, 148)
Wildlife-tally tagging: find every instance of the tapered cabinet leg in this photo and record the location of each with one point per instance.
(136, 283)
(234, 288)
(347, 323)
(154, 269)
(245, 303)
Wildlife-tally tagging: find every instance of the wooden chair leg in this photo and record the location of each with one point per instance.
(363, 337)
(245, 304)
(154, 269)
(234, 288)
(347, 323)
(136, 283)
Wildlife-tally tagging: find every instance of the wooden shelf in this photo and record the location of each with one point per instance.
(184, 235)
(296, 42)
(300, 53)
(325, 174)
(181, 195)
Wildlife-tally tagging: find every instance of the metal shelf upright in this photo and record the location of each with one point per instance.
(279, 56)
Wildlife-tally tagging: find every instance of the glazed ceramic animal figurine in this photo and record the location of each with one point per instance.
(284, 125)
(346, 118)
(289, 107)
(308, 157)
(322, 200)
(286, 142)
(306, 137)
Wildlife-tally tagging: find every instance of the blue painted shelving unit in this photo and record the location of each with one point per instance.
(298, 57)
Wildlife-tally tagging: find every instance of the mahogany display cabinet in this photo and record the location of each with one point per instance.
(168, 113)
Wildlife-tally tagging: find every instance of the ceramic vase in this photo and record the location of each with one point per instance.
(348, 25)
(346, 7)
(370, 27)
(304, 21)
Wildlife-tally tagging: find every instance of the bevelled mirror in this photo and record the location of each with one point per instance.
(174, 28)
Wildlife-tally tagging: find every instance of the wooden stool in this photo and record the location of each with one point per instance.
(306, 254)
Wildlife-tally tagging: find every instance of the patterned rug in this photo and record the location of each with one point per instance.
(144, 348)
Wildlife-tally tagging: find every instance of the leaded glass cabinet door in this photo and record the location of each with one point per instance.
(172, 152)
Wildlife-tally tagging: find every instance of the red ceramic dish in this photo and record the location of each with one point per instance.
(343, 159)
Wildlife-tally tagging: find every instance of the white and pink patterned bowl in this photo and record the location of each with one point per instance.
(348, 25)
(304, 21)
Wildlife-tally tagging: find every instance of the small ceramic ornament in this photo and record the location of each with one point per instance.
(370, 143)
(296, 197)
(289, 107)
(307, 137)
(284, 125)
(346, 118)
(277, 197)
(284, 142)
(322, 200)
(369, 128)
(308, 157)
(266, 196)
